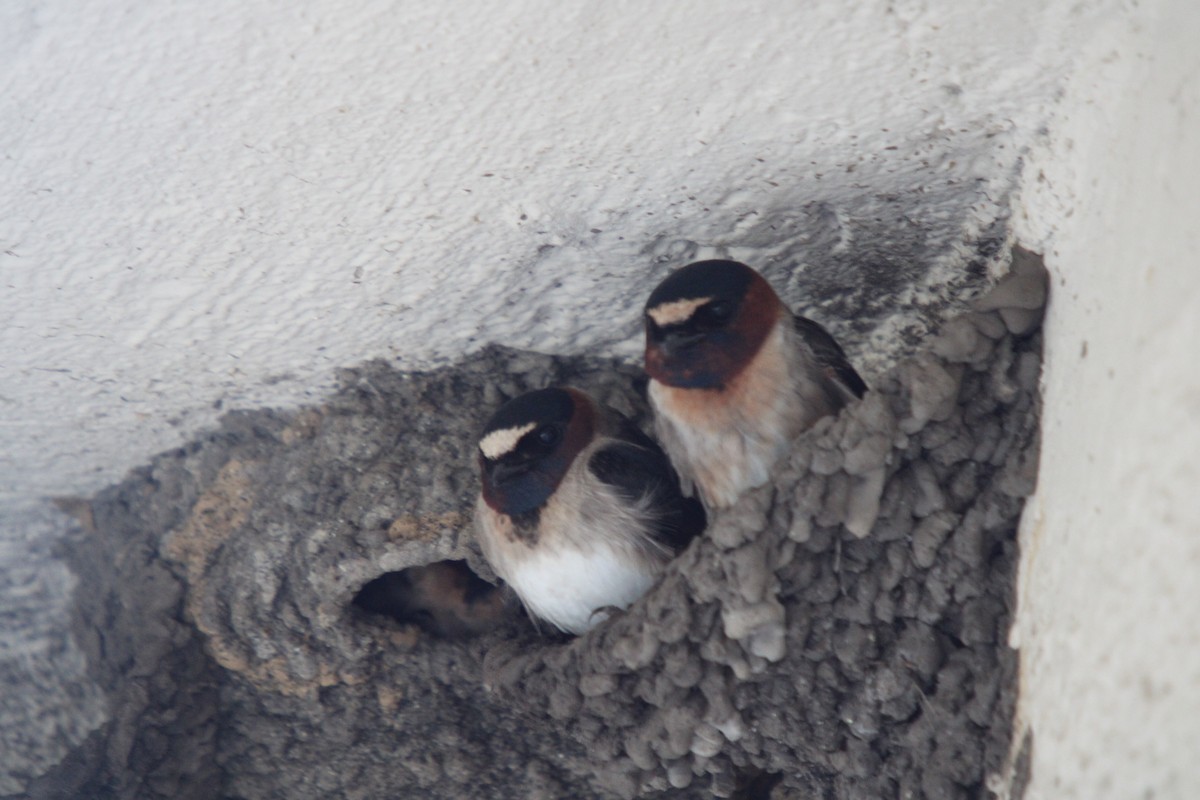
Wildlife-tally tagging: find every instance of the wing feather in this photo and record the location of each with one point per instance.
(637, 468)
(830, 357)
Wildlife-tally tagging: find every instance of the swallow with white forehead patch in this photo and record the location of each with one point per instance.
(580, 510)
(735, 376)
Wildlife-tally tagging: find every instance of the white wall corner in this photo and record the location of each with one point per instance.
(1109, 637)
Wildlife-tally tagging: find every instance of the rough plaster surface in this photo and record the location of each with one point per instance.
(1108, 629)
(223, 202)
(843, 628)
(50, 702)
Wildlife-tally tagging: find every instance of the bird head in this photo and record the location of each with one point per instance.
(529, 444)
(705, 323)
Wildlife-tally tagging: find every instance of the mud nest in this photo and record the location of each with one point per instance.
(247, 602)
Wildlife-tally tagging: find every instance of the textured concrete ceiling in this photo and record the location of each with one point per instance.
(208, 206)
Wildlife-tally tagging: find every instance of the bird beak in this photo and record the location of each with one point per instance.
(673, 343)
(503, 473)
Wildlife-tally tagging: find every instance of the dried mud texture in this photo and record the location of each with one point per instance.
(843, 628)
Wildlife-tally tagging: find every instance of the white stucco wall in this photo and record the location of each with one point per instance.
(1109, 619)
(225, 201)
(210, 204)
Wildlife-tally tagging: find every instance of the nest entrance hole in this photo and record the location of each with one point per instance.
(445, 599)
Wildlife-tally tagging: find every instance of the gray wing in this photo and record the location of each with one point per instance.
(831, 359)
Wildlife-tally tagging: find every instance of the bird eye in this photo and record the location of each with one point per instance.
(719, 310)
(548, 436)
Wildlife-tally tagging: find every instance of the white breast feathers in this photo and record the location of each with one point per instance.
(592, 550)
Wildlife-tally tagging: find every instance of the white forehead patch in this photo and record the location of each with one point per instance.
(676, 311)
(501, 442)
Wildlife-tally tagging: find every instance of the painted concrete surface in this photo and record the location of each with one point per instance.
(1107, 624)
(207, 204)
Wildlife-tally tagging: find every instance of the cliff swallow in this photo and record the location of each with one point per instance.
(444, 598)
(735, 376)
(580, 510)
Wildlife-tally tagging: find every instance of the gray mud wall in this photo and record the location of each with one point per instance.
(838, 634)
